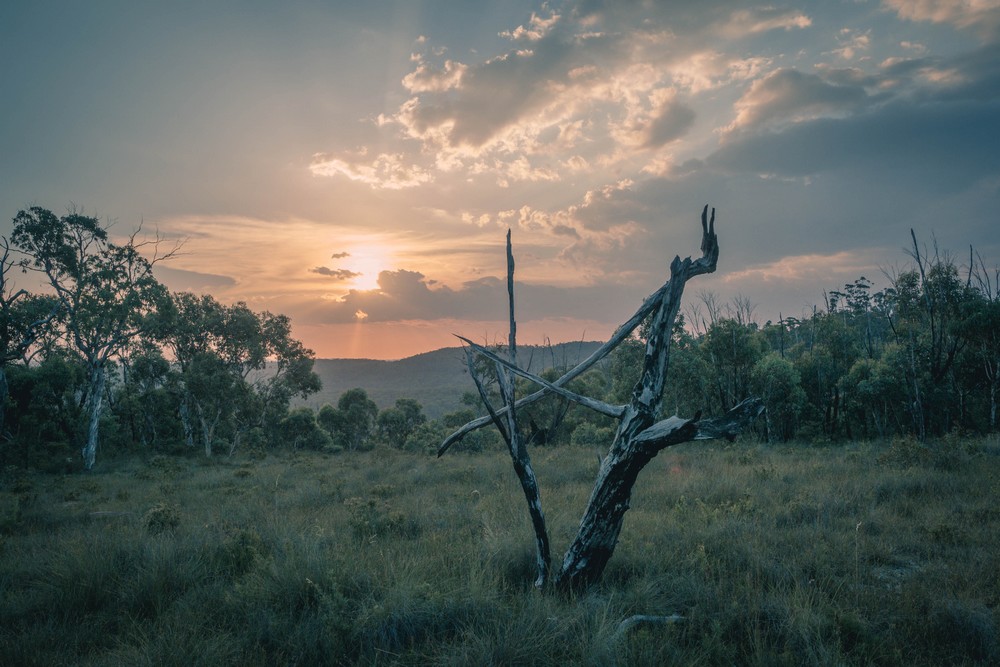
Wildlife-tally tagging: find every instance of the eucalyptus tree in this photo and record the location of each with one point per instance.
(355, 422)
(396, 424)
(983, 330)
(105, 290)
(928, 318)
(222, 355)
(191, 328)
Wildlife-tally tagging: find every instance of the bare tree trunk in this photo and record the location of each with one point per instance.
(4, 392)
(508, 427)
(602, 521)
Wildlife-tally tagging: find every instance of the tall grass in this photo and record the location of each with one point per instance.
(790, 555)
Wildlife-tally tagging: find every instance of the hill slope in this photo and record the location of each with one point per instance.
(436, 379)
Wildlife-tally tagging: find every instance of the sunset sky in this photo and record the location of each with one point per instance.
(355, 165)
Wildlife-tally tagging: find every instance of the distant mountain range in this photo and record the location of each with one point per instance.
(435, 379)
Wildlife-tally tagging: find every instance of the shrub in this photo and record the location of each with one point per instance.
(590, 435)
(161, 518)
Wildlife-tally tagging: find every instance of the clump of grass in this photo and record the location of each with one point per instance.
(160, 518)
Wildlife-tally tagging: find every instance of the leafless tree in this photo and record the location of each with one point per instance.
(639, 436)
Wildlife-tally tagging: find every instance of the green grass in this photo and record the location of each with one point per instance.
(787, 555)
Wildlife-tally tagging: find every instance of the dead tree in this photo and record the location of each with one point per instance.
(639, 436)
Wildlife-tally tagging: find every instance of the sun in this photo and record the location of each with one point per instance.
(367, 261)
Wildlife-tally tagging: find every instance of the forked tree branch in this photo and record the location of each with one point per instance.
(705, 264)
(586, 401)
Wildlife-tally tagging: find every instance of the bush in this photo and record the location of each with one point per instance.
(161, 518)
(589, 435)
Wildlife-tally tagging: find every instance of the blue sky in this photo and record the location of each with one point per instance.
(356, 165)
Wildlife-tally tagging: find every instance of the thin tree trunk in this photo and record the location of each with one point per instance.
(185, 411)
(207, 427)
(4, 392)
(506, 424)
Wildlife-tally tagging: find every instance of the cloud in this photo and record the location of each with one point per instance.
(981, 15)
(582, 88)
(388, 171)
(890, 141)
(930, 117)
(340, 255)
(791, 95)
(670, 122)
(183, 280)
(814, 268)
(338, 274)
(853, 43)
(425, 78)
(536, 29)
(744, 22)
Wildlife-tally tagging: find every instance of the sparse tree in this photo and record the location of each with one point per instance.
(105, 290)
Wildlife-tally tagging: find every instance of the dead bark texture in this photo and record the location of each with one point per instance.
(639, 436)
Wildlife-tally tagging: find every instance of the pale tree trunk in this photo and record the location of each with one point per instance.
(637, 440)
(208, 427)
(185, 411)
(95, 401)
(992, 368)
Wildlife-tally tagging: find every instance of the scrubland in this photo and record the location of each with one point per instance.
(869, 553)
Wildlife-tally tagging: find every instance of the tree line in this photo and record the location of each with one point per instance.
(108, 355)
(917, 358)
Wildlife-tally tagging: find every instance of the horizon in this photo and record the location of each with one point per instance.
(356, 167)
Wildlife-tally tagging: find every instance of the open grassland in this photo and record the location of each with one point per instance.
(864, 554)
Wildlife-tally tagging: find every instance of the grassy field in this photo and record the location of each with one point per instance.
(792, 555)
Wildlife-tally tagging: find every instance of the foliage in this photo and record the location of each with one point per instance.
(776, 382)
(352, 423)
(105, 291)
(89, 358)
(395, 425)
(302, 430)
